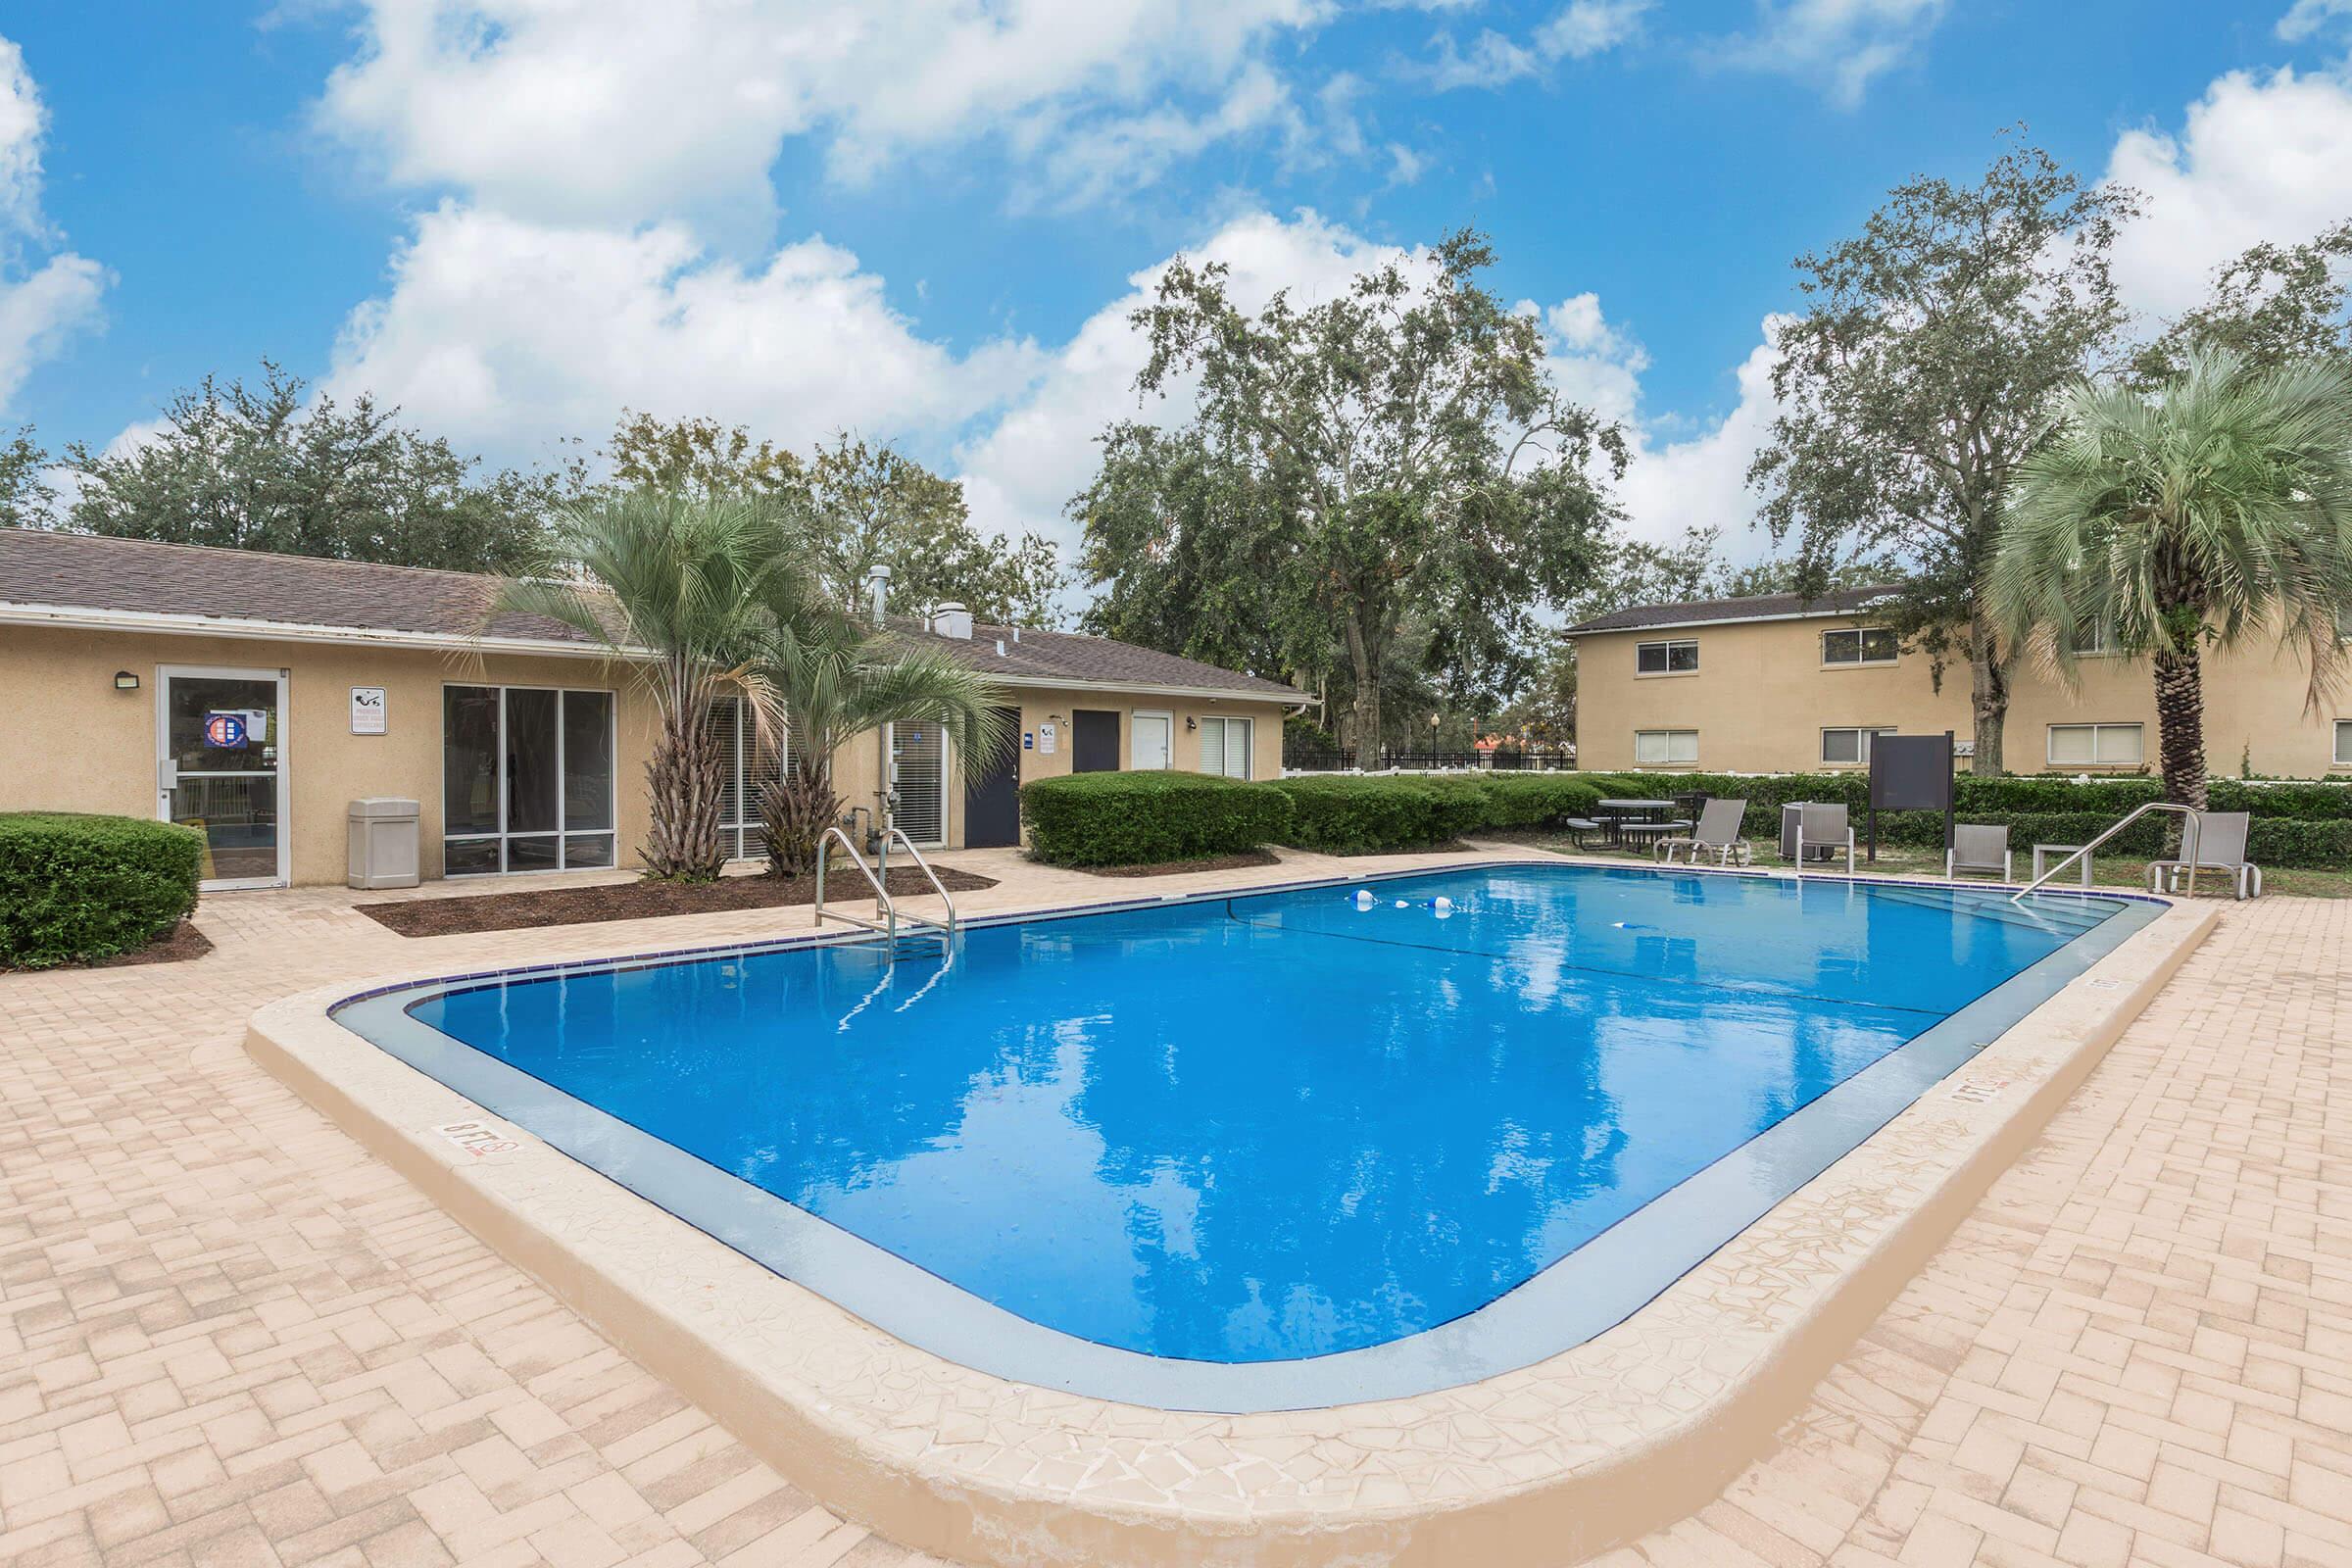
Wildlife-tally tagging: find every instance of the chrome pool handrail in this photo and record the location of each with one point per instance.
(2197, 823)
(886, 913)
(929, 875)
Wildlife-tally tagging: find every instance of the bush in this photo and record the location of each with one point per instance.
(1537, 800)
(76, 888)
(1348, 814)
(2296, 822)
(1147, 818)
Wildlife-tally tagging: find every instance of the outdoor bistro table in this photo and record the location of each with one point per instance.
(1619, 815)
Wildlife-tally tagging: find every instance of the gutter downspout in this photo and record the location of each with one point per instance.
(877, 599)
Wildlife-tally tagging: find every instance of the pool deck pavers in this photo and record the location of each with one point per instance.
(228, 1335)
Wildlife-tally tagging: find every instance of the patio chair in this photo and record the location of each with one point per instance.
(1718, 833)
(2221, 846)
(1982, 848)
(1825, 827)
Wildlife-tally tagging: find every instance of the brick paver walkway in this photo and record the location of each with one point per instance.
(228, 1335)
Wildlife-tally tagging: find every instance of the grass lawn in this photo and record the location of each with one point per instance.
(2115, 872)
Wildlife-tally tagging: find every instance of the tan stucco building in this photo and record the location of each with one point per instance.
(1775, 684)
(258, 695)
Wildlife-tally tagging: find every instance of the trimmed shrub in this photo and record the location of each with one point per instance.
(1341, 813)
(74, 888)
(1148, 818)
(2296, 822)
(1537, 800)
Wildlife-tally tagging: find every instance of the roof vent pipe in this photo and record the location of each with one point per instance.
(877, 592)
(1000, 648)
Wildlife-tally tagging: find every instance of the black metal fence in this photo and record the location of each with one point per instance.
(1338, 760)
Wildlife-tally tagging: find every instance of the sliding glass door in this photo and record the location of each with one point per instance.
(526, 780)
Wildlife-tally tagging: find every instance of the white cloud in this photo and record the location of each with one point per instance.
(1021, 473)
(43, 305)
(2310, 18)
(1577, 31)
(1702, 480)
(1843, 44)
(2260, 159)
(506, 332)
(615, 109)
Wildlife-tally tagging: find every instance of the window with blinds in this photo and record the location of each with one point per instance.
(1225, 746)
(746, 768)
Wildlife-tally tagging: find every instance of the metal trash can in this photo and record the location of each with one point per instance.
(383, 842)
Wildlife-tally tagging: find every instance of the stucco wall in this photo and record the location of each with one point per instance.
(856, 770)
(81, 745)
(99, 754)
(1761, 697)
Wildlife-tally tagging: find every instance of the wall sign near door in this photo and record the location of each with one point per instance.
(368, 712)
(1047, 738)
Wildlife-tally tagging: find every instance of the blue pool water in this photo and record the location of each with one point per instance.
(1275, 1126)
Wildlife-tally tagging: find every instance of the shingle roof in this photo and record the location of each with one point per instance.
(136, 576)
(1069, 655)
(84, 571)
(1755, 606)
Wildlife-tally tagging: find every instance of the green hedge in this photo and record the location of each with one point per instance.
(1148, 818)
(1344, 814)
(2296, 823)
(76, 888)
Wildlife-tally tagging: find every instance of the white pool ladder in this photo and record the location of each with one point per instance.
(2188, 844)
(888, 916)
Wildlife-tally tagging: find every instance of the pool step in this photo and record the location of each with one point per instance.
(925, 946)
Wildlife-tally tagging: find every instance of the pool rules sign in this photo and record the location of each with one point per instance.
(369, 714)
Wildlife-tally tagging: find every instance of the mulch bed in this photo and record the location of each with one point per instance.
(1215, 863)
(639, 901)
(176, 946)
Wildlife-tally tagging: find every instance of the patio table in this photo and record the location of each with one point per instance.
(1616, 814)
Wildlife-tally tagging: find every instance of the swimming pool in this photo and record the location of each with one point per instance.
(1265, 1151)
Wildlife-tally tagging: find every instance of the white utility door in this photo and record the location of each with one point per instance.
(1154, 742)
(221, 768)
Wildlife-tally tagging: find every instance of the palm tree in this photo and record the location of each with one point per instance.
(836, 678)
(2210, 511)
(684, 593)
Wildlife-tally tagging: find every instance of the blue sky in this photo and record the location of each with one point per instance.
(925, 220)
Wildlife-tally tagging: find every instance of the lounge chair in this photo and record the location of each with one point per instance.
(1983, 849)
(1718, 833)
(2221, 846)
(1825, 827)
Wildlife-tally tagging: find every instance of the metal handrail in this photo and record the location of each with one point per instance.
(929, 875)
(2196, 827)
(886, 913)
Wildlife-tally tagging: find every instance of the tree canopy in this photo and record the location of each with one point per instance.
(1920, 373)
(1386, 469)
(2270, 305)
(866, 506)
(260, 468)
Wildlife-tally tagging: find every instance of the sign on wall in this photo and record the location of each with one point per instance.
(1047, 736)
(369, 712)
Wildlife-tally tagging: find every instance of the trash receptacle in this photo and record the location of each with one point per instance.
(383, 842)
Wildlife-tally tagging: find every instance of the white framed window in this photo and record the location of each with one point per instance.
(1860, 645)
(1665, 747)
(2343, 743)
(1850, 746)
(2096, 746)
(2095, 641)
(1680, 657)
(1226, 745)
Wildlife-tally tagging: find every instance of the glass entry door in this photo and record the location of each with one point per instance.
(221, 768)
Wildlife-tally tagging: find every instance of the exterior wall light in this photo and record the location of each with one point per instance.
(1191, 723)
(125, 681)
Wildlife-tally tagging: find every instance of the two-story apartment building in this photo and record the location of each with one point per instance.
(1779, 684)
